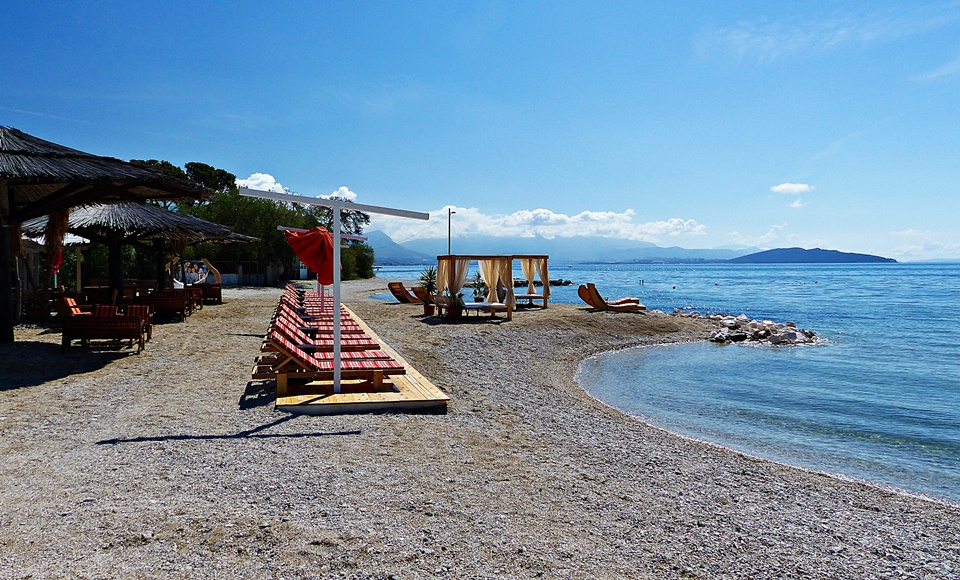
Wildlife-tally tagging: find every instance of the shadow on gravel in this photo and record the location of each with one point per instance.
(257, 394)
(469, 320)
(254, 433)
(32, 363)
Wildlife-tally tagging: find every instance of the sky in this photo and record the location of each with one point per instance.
(692, 124)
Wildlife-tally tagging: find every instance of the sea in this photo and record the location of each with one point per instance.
(877, 401)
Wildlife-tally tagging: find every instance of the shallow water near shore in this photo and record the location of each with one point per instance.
(880, 401)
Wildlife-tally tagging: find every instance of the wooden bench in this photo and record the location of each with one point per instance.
(212, 293)
(84, 328)
(167, 305)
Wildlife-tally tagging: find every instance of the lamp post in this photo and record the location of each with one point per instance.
(450, 212)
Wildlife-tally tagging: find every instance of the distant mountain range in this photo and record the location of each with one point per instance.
(801, 256)
(595, 250)
(560, 250)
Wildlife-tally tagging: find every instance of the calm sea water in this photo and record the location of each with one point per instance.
(880, 401)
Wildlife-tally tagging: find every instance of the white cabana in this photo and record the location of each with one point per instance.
(495, 269)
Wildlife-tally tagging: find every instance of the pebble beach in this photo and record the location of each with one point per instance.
(174, 464)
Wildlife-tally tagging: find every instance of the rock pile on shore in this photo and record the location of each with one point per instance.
(742, 328)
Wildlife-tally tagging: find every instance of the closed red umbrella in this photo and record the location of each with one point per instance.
(315, 249)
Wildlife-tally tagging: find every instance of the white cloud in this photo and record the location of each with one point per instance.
(772, 234)
(767, 41)
(470, 221)
(925, 245)
(948, 69)
(798, 203)
(262, 181)
(792, 188)
(912, 233)
(266, 182)
(343, 192)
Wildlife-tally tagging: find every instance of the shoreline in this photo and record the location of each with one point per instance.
(131, 466)
(836, 475)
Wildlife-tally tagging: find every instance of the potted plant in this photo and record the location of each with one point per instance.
(479, 288)
(455, 310)
(428, 281)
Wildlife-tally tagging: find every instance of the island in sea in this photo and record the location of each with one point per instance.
(802, 256)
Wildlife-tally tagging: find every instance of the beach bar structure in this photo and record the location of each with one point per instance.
(39, 178)
(496, 270)
(118, 224)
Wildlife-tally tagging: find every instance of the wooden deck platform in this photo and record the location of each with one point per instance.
(411, 391)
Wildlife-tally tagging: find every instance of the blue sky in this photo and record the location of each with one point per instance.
(697, 124)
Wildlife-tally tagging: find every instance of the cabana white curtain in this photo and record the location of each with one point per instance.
(443, 278)
(452, 275)
(544, 273)
(526, 264)
(490, 272)
(506, 274)
(536, 267)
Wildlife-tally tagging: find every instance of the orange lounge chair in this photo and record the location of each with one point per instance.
(424, 296)
(592, 297)
(402, 294)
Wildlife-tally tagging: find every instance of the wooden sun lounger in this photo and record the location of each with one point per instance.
(584, 294)
(296, 365)
(346, 327)
(593, 298)
(304, 335)
(271, 355)
(421, 293)
(402, 294)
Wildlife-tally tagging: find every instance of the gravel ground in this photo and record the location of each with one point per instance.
(173, 464)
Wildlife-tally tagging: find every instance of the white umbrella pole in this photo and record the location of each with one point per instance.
(336, 299)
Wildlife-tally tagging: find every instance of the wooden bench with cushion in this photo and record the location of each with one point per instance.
(84, 328)
(167, 305)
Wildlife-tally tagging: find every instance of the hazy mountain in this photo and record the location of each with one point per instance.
(386, 252)
(560, 250)
(802, 256)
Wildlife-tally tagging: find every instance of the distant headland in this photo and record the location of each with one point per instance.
(802, 256)
(598, 250)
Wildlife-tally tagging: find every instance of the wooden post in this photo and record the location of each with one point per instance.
(115, 261)
(160, 257)
(79, 266)
(6, 284)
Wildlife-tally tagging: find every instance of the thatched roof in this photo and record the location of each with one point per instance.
(134, 221)
(43, 177)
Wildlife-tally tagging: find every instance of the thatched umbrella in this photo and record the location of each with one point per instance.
(39, 178)
(124, 223)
